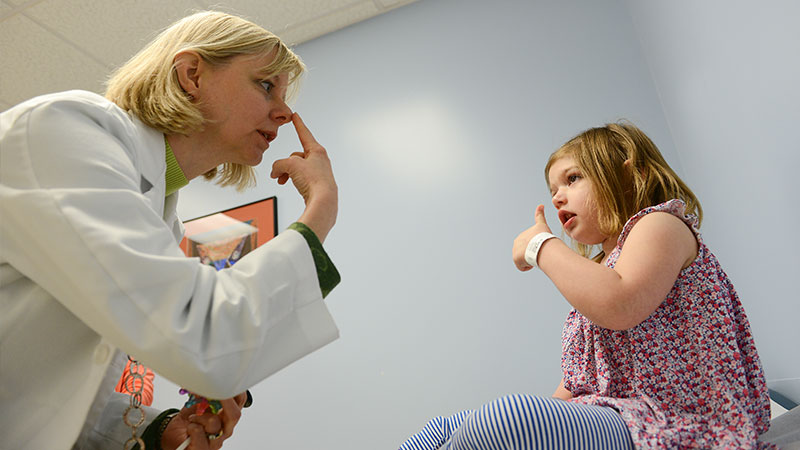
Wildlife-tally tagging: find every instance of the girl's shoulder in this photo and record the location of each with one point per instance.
(674, 207)
(664, 227)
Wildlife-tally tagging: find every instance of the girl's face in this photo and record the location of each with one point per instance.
(574, 199)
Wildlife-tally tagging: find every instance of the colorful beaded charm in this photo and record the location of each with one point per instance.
(201, 403)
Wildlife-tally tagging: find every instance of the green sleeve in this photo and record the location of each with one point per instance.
(326, 272)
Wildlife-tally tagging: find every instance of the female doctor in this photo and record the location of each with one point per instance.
(90, 268)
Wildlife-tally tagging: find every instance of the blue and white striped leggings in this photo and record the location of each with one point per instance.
(525, 422)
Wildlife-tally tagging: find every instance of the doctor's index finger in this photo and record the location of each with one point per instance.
(303, 133)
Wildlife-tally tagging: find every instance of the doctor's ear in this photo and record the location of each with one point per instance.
(188, 66)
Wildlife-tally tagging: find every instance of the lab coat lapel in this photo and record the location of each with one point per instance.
(152, 167)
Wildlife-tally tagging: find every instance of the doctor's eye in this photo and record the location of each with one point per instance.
(268, 86)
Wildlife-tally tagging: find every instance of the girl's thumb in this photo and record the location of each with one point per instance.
(540, 214)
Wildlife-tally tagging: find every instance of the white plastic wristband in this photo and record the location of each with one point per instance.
(532, 252)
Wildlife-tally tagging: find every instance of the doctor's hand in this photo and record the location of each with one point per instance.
(521, 242)
(207, 431)
(312, 176)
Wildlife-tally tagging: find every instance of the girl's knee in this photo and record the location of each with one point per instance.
(500, 424)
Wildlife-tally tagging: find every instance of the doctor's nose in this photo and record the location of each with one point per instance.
(281, 114)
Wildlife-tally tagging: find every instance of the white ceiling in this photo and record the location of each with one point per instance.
(53, 45)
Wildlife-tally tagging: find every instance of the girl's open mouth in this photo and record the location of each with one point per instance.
(565, 217)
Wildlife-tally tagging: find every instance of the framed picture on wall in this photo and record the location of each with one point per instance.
(221, 239)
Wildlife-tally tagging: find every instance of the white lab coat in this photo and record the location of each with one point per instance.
(89, 264)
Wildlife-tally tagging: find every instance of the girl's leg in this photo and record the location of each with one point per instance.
(435, 433)
(524, 422)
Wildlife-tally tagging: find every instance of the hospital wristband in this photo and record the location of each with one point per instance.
(534, 245)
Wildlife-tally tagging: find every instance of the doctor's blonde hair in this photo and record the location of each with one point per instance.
(147, 85)
(627, 173)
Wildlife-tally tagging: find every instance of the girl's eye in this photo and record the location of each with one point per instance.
(573, 178)
(267, 85)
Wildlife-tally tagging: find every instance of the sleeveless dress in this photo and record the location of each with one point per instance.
(689, 375)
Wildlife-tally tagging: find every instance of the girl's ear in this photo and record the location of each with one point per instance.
(628, 165)
(188, 65)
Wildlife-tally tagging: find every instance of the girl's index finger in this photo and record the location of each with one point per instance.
(303, 133)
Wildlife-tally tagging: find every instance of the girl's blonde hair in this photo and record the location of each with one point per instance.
(627, 173)
(147, 85)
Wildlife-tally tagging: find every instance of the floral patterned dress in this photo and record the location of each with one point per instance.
(689, 375)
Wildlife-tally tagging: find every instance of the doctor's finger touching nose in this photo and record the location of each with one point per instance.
(90, 185)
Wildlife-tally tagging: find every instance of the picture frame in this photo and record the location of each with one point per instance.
(222, 238)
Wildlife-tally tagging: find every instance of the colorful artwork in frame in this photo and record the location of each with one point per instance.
(222, 238)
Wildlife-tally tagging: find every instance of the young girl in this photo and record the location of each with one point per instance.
(657, 351)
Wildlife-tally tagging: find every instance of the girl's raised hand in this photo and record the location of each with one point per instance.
(521, 242)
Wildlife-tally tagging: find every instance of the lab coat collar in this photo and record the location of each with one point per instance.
(153, 168)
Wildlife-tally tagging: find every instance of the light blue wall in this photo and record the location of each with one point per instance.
(439, 117)
(728, 74)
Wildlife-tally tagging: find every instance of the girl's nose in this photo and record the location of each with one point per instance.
(559, 199)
